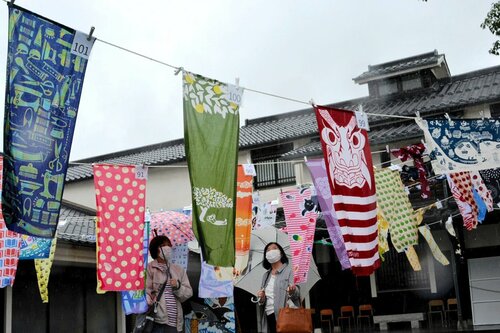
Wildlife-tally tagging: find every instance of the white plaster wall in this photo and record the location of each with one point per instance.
(167, 187)
(475, 111)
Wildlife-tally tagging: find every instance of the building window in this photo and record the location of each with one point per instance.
(411, 82)
(270, 173)
(396, 273)
(388, 87)
(495, 110)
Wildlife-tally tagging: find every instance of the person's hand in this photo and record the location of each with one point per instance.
(261, 295)
(174, 283)
(291, 289)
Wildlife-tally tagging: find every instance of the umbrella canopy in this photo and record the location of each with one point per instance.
(176, 226)
(252, 280)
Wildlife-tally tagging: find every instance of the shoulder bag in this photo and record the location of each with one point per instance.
(294, 320)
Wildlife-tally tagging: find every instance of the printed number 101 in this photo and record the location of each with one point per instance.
(82, 49)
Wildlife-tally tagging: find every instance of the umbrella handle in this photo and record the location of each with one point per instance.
(255, 299)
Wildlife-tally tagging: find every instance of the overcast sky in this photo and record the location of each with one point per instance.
(298, 49)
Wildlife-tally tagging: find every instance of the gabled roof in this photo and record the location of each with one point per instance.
(402, 66)
(447, 95)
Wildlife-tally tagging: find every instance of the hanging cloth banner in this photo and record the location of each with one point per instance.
(214, 281)
(301, 211)
(317, 168)
(415, 152)
(42, 267)
(211, 131)
(34, 247)
(461, 188)
(491, 179)
(482, 189)
(383, 232)
(44, 83)
(263, 213)
(243, 224)
(397, 209)
(135, 301)
(350, 172)
(10, 245)
(436, 251)
(120, 201)
(461, 144)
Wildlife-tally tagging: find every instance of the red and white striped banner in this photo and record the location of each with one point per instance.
(350, 174)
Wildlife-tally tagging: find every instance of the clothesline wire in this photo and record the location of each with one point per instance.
(179, 68)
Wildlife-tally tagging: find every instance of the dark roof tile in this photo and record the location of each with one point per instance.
(447, 96)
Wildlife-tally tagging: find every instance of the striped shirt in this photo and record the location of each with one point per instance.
(170, 301)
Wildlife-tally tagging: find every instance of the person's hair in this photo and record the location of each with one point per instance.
(156, 243)
(284, 259)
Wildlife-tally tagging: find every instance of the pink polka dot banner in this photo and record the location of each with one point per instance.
(120, 196)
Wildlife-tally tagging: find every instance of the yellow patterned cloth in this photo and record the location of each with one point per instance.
(395, 206)
(412, 256)
(383, 230)
(436, 252)
(42, 267)
(419, 213)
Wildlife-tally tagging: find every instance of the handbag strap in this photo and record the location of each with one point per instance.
(162, 288)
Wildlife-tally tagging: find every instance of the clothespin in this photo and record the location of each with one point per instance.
(89, 37)
(237, 82)
(11, 2)
(439, 205)
(360, 108)
(178, 70)
(305, 159)
(447, 116)
(311, 101)
(417, 114)
(387, 149)
(481, 113)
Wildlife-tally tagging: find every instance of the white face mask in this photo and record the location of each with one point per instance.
(273, 256)
(165, 252)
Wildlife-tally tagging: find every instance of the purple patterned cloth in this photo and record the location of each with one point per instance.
(317, 169)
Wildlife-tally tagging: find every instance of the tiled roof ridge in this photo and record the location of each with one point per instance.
(301, 112)
(404, 60)
(79, 208)
(131, 151)
(472, 74)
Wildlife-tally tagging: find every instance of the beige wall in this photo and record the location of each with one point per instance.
(167, 187)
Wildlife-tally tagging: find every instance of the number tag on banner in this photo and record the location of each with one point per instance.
(81, 46)
(234, 94)
(249, 170)
(362, 119)
(141, 172)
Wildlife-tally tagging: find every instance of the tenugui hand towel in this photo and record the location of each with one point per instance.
(350, 172)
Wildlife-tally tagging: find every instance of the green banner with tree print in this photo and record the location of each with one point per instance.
(211, 131)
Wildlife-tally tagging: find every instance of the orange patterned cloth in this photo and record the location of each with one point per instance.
(243, 225)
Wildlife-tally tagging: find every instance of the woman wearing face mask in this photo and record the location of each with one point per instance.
(169, 318)
(277, 286)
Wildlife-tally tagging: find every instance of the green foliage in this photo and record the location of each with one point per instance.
(492, 22)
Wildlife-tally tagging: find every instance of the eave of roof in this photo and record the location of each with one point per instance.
(448, 95)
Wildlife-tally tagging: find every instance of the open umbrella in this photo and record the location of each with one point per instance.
(252, 280)
(176, 226)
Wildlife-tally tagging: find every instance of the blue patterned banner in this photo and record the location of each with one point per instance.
(44, 83)
(462, 144)
(34, 247)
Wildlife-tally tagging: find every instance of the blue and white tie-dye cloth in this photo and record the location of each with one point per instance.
(462, 144)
